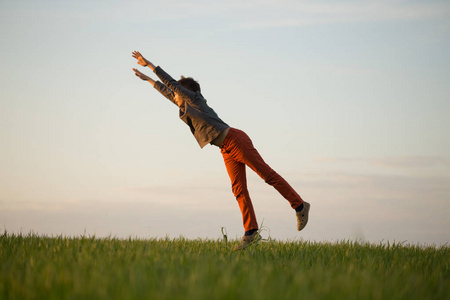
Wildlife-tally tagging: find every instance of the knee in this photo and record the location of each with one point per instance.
(271, 177)
(239, 191)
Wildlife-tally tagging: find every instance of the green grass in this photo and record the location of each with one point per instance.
(39, 267)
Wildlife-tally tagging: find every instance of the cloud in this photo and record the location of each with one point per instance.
(405, 162)
(413, 162)
(395, 198)
(407, 181)
(301, 13)
(253, 14)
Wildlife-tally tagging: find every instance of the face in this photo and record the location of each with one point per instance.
(179, 100)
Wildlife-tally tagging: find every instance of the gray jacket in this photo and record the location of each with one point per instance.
(203, 121)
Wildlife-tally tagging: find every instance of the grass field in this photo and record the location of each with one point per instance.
(39, 267)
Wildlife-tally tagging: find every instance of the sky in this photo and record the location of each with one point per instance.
(348, 100)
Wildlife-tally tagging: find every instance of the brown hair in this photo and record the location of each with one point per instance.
(189, 83)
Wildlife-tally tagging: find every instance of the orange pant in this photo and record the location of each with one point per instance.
(238, 150)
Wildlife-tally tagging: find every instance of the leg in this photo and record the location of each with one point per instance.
(245, 152)
(236, 171)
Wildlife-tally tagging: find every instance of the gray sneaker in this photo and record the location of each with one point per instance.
(302, 216)
(248, 240)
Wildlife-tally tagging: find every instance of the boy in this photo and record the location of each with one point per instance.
(236, 147)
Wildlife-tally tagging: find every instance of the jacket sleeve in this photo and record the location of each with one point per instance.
(173, 84)
(165, 91)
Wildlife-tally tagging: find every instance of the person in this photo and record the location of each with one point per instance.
(236, 147)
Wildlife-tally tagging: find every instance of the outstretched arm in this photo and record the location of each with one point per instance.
(171, 83)
(142, 61)
(164, 90)
(144, 77)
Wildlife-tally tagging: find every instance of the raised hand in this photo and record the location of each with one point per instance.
(140, 59)
(140, 75)
(143, 76)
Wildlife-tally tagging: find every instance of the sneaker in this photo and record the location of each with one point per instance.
(302, 216)
(248, 240)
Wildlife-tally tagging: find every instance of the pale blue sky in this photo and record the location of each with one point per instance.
(348, 100)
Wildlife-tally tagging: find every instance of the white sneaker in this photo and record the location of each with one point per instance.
(302, 216)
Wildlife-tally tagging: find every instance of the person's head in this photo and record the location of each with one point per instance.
(189, 83)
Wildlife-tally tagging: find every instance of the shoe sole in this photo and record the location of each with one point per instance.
(304, 217)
